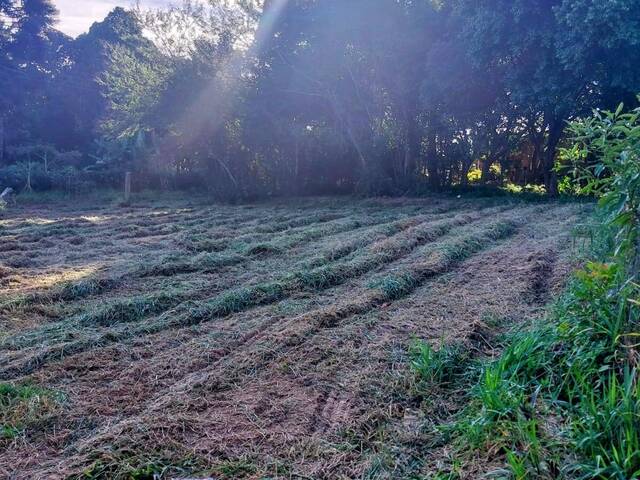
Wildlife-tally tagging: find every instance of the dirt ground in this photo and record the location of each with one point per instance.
(255, 341)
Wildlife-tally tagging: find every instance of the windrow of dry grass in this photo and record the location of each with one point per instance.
(67, 335)
(167, 339)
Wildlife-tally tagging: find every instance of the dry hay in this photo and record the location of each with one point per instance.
(308, 376)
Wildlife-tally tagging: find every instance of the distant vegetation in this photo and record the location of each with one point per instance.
(252, 98)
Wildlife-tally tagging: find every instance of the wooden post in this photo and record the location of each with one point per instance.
(28, 187)
(127, 187)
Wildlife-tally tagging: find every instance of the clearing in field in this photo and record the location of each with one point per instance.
(251, 341)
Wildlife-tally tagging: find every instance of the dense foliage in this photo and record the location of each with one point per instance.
(260, 98)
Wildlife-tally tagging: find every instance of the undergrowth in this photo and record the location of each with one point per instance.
(562, 400)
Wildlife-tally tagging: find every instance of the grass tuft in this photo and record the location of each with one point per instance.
(131, 309)
(437, 368)
(25, 406)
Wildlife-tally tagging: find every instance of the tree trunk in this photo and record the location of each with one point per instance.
(412, 147)
(486, 164)
(432, 159)
(28, 187)
(553, 138)
(464, 175)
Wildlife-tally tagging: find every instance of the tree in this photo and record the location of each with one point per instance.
(558, 59)
(81, 92)
(29, 57)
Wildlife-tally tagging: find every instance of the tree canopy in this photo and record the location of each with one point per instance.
(289, 97)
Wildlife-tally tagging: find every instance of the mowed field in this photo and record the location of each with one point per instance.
(252, 341)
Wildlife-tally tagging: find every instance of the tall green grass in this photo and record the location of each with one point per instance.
(563, 398)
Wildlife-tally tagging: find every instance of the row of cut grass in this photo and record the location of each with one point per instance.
(320, 278)
(67, 292)
(441, 258)
(234, 249)
(241, 249)
(135, 308)
(189, 312)
(173, 264)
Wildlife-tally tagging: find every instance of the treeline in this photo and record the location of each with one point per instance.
(256, 98)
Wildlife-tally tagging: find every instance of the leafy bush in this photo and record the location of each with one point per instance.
(606, 163)
(474, 175)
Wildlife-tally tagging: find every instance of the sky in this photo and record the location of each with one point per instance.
(76, 16)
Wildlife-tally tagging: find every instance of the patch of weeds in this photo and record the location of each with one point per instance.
(125, 465)
(236, 469)
(438, 368)
(506, 405)
(575, 368)
(23, 406)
